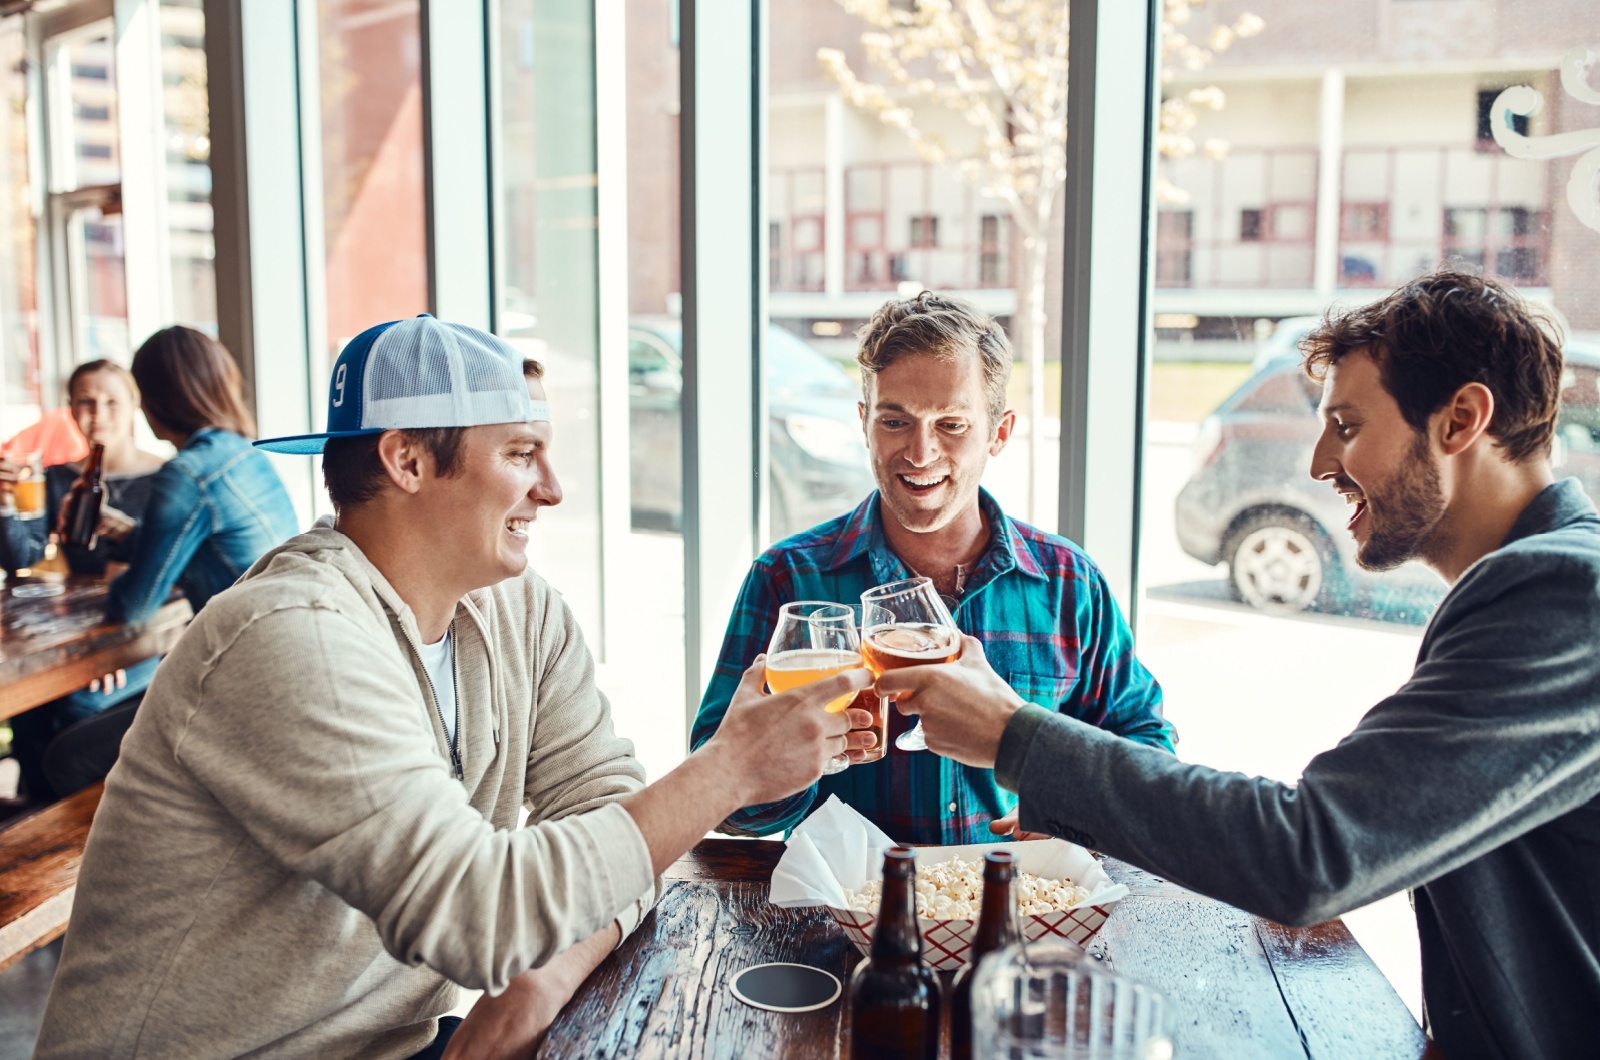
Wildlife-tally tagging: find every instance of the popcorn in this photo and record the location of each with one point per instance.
(953, 890)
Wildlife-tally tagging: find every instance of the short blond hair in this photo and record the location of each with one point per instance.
(938, 325)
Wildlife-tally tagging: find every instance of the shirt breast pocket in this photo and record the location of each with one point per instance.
(1047, 690)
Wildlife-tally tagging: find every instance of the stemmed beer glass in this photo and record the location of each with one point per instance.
(814, 640)
(905, 623)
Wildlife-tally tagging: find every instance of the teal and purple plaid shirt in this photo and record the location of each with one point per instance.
(1048, 624)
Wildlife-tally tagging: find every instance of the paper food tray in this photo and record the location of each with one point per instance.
(836, 853)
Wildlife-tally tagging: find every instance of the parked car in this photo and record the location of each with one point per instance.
(817, 454)
(1252, 503)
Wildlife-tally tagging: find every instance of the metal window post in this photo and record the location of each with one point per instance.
(456, 161)
(1106, 338)
(724, 312)
(258, 200)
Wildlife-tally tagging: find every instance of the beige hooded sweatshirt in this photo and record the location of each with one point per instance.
(283, 863)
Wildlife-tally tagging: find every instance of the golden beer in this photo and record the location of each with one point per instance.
(29, 494)
(793, 669)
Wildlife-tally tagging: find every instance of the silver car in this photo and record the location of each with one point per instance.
(819, 466)
(1252, 503)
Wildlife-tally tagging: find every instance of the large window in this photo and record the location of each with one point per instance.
(891, 172)
(19, 302)
(186, 123)
(106, 189)
(1374, 152)
(370, 75)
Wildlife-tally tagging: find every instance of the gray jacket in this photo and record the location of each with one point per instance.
(283, 863)
(1474, 784)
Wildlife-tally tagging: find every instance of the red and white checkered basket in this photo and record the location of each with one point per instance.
(946, 942)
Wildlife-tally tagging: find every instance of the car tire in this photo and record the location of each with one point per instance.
(1282, 562)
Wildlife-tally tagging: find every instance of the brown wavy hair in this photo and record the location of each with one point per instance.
(190, 382)
(1446, 329)
(944, 326)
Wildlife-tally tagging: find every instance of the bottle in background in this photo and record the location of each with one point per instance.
(997, 927)
(81, 520)
(894, 997)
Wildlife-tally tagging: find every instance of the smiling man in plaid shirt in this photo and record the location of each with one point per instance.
(934, 373)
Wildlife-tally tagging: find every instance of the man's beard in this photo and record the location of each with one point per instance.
(1404, 515)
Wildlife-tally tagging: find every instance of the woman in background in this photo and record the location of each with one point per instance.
(216, 506)
(103, 399)
(212, 510)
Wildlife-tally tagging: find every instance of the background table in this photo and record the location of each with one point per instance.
(1241, 986)
(53, 645)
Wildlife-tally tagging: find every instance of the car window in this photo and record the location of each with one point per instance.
(645, 355)
(792, 365)
(1283, 388)
(1578, 422)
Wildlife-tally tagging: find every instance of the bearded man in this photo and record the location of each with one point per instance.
(1475, 784)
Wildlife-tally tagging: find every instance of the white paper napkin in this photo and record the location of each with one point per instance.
(830, 850)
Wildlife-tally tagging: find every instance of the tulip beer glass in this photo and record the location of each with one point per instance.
(814, 640)
(904, 623)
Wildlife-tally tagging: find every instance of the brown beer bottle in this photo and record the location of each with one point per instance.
(997, 927)
(82, 517)
(894, 997)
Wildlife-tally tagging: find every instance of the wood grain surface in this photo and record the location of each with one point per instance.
(39, 859)
(53, 645)
(1241, 987)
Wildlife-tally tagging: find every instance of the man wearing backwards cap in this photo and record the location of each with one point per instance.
(311, 837)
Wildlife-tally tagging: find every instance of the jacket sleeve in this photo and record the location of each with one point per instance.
(576, 762)
(176, 520)
(343, 788)
(749, 631)
(1494, 734)
(1114, 686)
(21, 542)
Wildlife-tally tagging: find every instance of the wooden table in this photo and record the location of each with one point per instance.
(1242, 987)
(53, 645)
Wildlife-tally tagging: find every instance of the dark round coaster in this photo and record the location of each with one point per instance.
(785, 987)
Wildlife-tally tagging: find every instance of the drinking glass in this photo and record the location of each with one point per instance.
(905, 623)
(814, 640)
(28, 492)
(1051, 1001)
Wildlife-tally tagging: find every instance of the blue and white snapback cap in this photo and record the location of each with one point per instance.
(420, 373)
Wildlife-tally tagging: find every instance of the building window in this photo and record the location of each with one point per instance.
(1365, 220)
(924, 231)
(1250, 226)
(1486, 98)
(775, 252)
(1175, 248)
(991, 251)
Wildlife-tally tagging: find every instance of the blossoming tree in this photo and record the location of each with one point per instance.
(1002, 65)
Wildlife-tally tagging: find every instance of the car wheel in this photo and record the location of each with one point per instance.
(1282, 562)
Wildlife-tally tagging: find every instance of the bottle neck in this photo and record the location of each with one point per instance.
(91, 466)
(896, 936)
(997, 915)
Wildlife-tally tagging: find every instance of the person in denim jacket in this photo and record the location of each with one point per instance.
(216, 506)
(212, 511)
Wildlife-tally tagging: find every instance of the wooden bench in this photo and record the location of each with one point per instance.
(39, 858)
